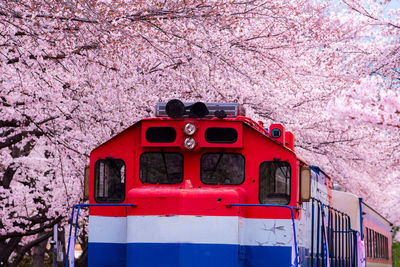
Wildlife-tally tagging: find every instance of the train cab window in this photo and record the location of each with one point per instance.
(160, 134)
(161, 168)
(221, 135)
(222, 168)
(109, 180)
(275, 182)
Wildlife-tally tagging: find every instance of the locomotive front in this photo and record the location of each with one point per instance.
(208, 187)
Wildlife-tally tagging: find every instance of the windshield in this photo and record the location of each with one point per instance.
(222, 168)
(161, 168)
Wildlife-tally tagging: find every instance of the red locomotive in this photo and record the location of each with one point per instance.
(201, 185)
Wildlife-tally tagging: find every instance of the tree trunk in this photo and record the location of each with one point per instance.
(39, 252)
(6, 249)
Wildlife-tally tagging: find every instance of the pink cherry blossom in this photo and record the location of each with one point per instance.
(75, 73)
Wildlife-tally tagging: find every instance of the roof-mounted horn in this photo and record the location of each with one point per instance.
(177, 109)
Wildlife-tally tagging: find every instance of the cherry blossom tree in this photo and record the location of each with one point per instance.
(374, 97)
(75, 73)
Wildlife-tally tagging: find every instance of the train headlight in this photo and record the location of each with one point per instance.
(190, 129)
(189, 143)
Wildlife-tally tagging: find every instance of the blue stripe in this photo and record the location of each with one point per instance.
(268, 256)
(106, 254)
(187, 255)
(183, 254)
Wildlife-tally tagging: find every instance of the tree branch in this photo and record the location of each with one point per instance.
(31, 232)
(28, 246)
(18, 137)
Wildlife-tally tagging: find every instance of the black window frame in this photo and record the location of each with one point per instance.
(371, 243)
(386, 248)
(290, 182)
(160, 152)
(367, 241)
(160, 140)
(223, 153)
(99, 199)
(221, 142)
(375, 246)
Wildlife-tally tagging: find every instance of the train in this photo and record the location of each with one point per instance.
(201, 184)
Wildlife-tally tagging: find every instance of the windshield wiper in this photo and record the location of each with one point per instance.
(216, 165)
(165, 164)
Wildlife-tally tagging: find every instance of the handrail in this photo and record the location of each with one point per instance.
(279, 206)
(79, 206)
(339, 235)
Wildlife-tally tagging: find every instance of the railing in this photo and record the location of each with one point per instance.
(296, 261)
(78, 207)
(335, 242)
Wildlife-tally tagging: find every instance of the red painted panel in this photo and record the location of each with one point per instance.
(289, 140)
(192, 197)
(153, 200)
(177, 124)
(238, 126)
(119, 147)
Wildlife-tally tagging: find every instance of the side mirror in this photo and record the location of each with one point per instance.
(305, 184)
(86, 184)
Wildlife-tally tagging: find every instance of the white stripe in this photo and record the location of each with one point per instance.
(266, 232)
(191, 229)
(103, 229)
(183, 229)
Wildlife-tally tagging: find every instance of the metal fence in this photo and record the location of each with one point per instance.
(332, 238)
